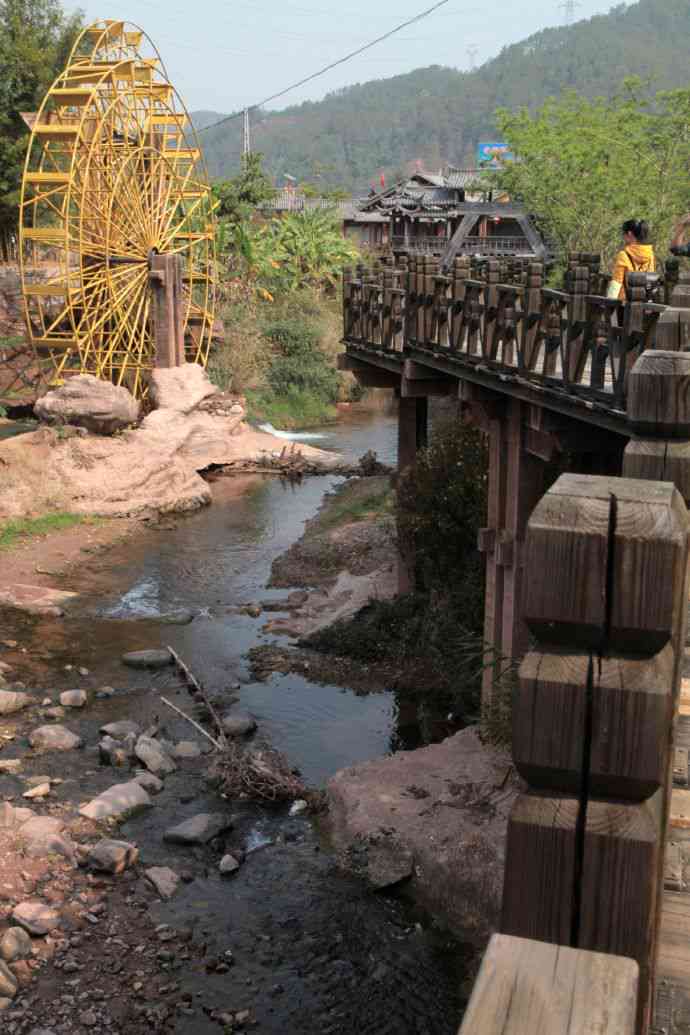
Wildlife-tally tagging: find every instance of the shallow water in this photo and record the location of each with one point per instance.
(343, 959)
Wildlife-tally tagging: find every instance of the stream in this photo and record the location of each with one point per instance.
(312, 950)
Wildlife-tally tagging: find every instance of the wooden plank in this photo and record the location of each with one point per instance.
(659, 394)
(528, 987)
(540, 856)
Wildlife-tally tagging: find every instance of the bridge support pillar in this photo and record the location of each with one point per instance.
(516, 483)
(412, 435)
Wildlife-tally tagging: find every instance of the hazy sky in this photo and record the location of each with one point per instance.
(223, 56)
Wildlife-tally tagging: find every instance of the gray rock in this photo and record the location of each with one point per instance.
(117, 802)
(237, 724)
(150, 752)
(164, 880)
(89, 403)
(148, 658)
(41, 1031)
(228, 865)
(112, 752)
(11, 702)
(54, 712)
(187, 749)
(8, 982)
(36, 917)
(15, 944)
(181, 617)
(73, 698)
(298, 807)
(112, 856)
(388, 862)
(44, 835)
(54, 738)
(104, 692)
(10, 765)
(149, 782)
(4, 1003)
(198, 830)
(119, 730)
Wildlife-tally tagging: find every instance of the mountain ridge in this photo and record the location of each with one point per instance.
(435, 115)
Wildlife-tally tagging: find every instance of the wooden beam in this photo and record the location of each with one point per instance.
(429, 386)
(528, 987)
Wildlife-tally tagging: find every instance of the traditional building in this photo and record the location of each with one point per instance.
(369, 230)
(431, 213)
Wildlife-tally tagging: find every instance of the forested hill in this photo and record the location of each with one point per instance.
(436, 115)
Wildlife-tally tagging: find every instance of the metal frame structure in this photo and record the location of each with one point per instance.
(113, 177)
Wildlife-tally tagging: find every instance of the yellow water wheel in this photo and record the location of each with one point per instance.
(113, 176)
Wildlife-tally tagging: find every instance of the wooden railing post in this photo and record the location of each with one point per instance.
(659, 415)
(593, 716)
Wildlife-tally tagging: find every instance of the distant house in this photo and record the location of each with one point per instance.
(427, 212)
(369, 230)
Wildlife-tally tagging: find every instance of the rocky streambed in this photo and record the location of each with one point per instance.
(170, 905)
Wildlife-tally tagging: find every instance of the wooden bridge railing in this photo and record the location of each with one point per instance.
(499, 316)
(593, 716)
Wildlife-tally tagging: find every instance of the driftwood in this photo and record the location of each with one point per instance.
(262, 774)
(192, 722)
(197, 690)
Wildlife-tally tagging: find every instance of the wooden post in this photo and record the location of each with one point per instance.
(167, 310)
(412, 435)
(659, 415)
(593, 717)
(532, 988)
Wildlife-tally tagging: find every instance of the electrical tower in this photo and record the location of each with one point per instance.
(246, 140)
(472, 52)
(568, 8)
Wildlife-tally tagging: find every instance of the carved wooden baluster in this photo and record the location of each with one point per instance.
(575, 353)
(491, 310)
(593, 716)
(533, 313)
(461, 269)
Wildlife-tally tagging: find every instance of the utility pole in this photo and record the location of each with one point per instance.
(472, 52)
(246, 140)
(568, 8)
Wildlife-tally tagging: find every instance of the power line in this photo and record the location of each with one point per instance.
(472, 52)
(568, 8)
(333, 64)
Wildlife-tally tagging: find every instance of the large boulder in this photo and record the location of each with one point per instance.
(90, 403)
(438, 816)
(180, 388)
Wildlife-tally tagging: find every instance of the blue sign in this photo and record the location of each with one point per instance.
(493, 154)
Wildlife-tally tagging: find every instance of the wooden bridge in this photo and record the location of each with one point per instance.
(586, 585)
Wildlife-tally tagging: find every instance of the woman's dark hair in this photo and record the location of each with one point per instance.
(638, 227)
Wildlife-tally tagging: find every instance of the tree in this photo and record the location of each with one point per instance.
(240, 195)
(36, 37)
(585, 166)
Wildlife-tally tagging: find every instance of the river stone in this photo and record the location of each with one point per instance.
(117, 802)
(8, 982)
(91, 403)
(36, 917)
(150, 752)
(198, 830)
(119, 730)
(73, 698)
(148, 658)
(54, 738)
(164, 880)
(44, 836)
(238, 724)
(40, 790)
(10, 765)
(15, 944)
(228, 865)
(388, 863)
(149, 782)
(112, 752)
(12, 701)
(181, 617)
(187, 749)
(113, 856)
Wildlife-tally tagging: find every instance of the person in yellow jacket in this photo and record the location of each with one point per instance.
(636, 257)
